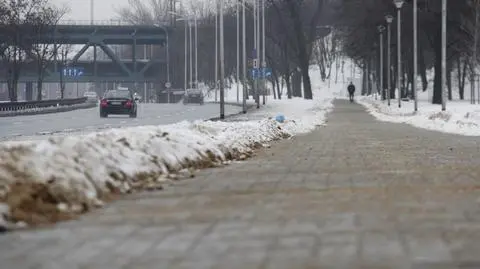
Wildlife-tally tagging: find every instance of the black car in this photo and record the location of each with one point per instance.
(118, 102)
(193, 96)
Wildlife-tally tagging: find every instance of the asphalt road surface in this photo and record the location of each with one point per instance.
(88, 120)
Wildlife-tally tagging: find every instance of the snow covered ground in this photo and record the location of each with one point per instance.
(76, 173)
(460, 117)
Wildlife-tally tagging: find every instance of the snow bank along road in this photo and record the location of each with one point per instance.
(88, 120)
(49, 180)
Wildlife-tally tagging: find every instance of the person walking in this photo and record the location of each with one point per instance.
(351, 91)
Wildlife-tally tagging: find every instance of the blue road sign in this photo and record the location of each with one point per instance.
(261, 72)
(73, 71)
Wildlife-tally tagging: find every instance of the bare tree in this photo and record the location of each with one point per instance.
(63, 51)
(145, 12)
(43, 53)
(18, 20)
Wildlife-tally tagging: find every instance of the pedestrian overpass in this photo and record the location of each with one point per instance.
(133, 69)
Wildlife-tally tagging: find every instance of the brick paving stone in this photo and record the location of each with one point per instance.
(357, 193)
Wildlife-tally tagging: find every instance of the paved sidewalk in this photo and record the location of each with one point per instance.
(357, 193)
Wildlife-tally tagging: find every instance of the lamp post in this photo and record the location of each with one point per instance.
(91, 11)
(185, 82)
(474, 57)
(190, 52)
(244, 49)
(216, 49)
(196, 53)
(264, 60)
(444, 54)
(238, 52)
(222, 65)
(415, 55)
(381, 28)
(398, 5)
(167, 55)
(259, 64)
(389, 19)
(186, 56)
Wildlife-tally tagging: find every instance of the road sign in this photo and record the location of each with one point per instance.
(73, 71)
(255, 63)
(261, 72)
(168, 85)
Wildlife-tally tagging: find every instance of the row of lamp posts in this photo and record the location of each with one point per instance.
(259, 51)
(389, 19)
(259, 19)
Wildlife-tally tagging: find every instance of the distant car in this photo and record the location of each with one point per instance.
(193, 96)
(118, 103)
(91, 96)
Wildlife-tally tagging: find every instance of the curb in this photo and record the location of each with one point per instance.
(47, 111)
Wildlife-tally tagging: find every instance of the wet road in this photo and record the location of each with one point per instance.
(88, 120)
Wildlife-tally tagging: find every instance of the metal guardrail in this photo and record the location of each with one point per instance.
(112, 22)
(19, 106)
(97, 22)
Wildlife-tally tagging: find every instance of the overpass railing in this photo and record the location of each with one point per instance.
(97, 22)
(111, 22)
(29, 105)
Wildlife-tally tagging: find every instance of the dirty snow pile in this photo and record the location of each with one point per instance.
(80, 172)
(460, 117)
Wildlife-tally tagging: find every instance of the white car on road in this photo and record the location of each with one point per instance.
(92, 97)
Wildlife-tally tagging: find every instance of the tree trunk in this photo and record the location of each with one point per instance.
(307, 84)
(369, 80)
(297, 84)
(302, 46)
(277, 83)
(422, 67)
(461, 76)
(273, 87)
(289, 87)
(364, 79)
(39, 89)
(410, 78)
(449, 79)
(437, 83)
(29, 91)
(394, 82)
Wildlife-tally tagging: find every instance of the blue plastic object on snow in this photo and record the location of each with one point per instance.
(280, 118)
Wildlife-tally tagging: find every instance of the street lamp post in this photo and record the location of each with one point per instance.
(259, 64)
(444, 54)
(222, 65)
(191, 52)
(168, 65)
(244, 49)
(255, 52)
(398, 5)
(264, 60)
(238, 53)
(216, 49)
(91, 11)
(415, 55)
(186, 56)
(196, 53)
(381, 28)
(389, 19)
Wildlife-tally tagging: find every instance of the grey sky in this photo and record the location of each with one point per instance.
(80, 9)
